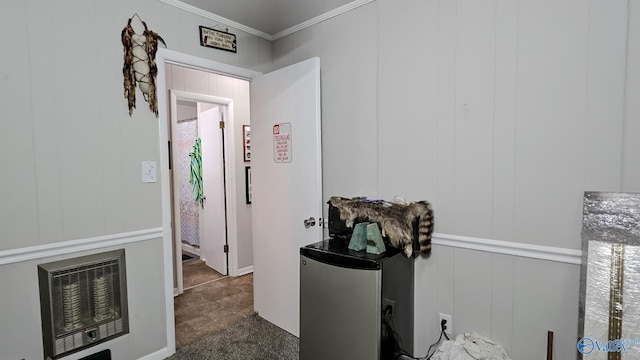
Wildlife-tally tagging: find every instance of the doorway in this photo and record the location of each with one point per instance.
(201, 78)
(199, 125)
(198, 189)
(207, 169)
(202, 86)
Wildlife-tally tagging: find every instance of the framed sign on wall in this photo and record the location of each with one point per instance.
(246, 141)
(218, 39)
(247, 176)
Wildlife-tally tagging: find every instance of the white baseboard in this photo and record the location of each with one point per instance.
(158, 355)
(191, 250)
(245, 270)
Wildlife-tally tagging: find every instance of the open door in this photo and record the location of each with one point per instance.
(286, 185)
(213, 219)
(213, 235)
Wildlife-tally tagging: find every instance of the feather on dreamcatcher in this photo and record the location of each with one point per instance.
(139, 64)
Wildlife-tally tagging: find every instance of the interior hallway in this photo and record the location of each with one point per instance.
(210, 301)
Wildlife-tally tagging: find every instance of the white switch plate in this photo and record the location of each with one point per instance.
(149, 174)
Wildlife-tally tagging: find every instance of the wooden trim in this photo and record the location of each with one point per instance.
(303, 25)
(563, 255)
(72, 246)
(217, 18)
(320, 18)
(245, 270)
(158, 355)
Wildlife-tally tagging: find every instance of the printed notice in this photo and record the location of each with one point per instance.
(218, 39)
(282, 143)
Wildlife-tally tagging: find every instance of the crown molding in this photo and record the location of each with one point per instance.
(303, 25)
(320, 18)
(218, 19)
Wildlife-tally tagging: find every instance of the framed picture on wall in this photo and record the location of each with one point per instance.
(246, 141)
(247, 177)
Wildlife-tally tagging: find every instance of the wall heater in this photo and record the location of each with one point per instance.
(83, 302)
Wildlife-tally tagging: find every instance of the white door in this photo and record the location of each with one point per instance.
(213, 236)
(222, 105)
(286, 185)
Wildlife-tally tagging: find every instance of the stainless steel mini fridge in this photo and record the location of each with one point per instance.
(343, 294)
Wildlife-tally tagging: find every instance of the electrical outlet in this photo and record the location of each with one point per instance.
(387, 302)
(449, 324)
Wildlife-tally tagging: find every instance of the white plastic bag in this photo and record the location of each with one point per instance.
(470, 346)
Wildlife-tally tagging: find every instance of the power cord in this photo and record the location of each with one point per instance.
(390, 334)
(403, 354)
(443, 328)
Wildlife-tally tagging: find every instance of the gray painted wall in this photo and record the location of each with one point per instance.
(501, 114)
(69, 148)
(71, 155)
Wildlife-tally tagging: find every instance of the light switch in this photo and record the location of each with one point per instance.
(149, 172)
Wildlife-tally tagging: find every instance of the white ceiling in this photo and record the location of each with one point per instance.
(268, 16)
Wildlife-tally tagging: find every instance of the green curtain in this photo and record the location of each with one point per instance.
(195, 173)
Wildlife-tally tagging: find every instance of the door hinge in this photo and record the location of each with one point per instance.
(221, 124)
(226, 248)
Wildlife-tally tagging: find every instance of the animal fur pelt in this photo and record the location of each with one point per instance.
(395, 219)
(134, 61)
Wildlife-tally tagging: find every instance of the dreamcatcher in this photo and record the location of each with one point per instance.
(139, 64)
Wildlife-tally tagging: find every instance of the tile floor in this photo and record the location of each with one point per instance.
(196, 273)
(210, 302)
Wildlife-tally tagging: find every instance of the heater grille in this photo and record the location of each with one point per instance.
(71, 306)
(83, 302)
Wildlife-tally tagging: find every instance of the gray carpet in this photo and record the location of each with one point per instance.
(252, 338)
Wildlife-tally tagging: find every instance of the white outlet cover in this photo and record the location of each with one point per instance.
(149, 173)
(447, 317)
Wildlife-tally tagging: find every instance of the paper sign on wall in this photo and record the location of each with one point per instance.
(218, 39)
(282, 143)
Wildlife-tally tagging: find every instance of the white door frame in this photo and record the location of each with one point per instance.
(164, 56)
(230, 189)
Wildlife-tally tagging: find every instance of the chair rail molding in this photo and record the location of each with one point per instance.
(72, 246)
(539, 252)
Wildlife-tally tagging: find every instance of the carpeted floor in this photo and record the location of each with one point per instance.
(252, 338)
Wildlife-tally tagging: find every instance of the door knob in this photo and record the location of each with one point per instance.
(310, 222)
